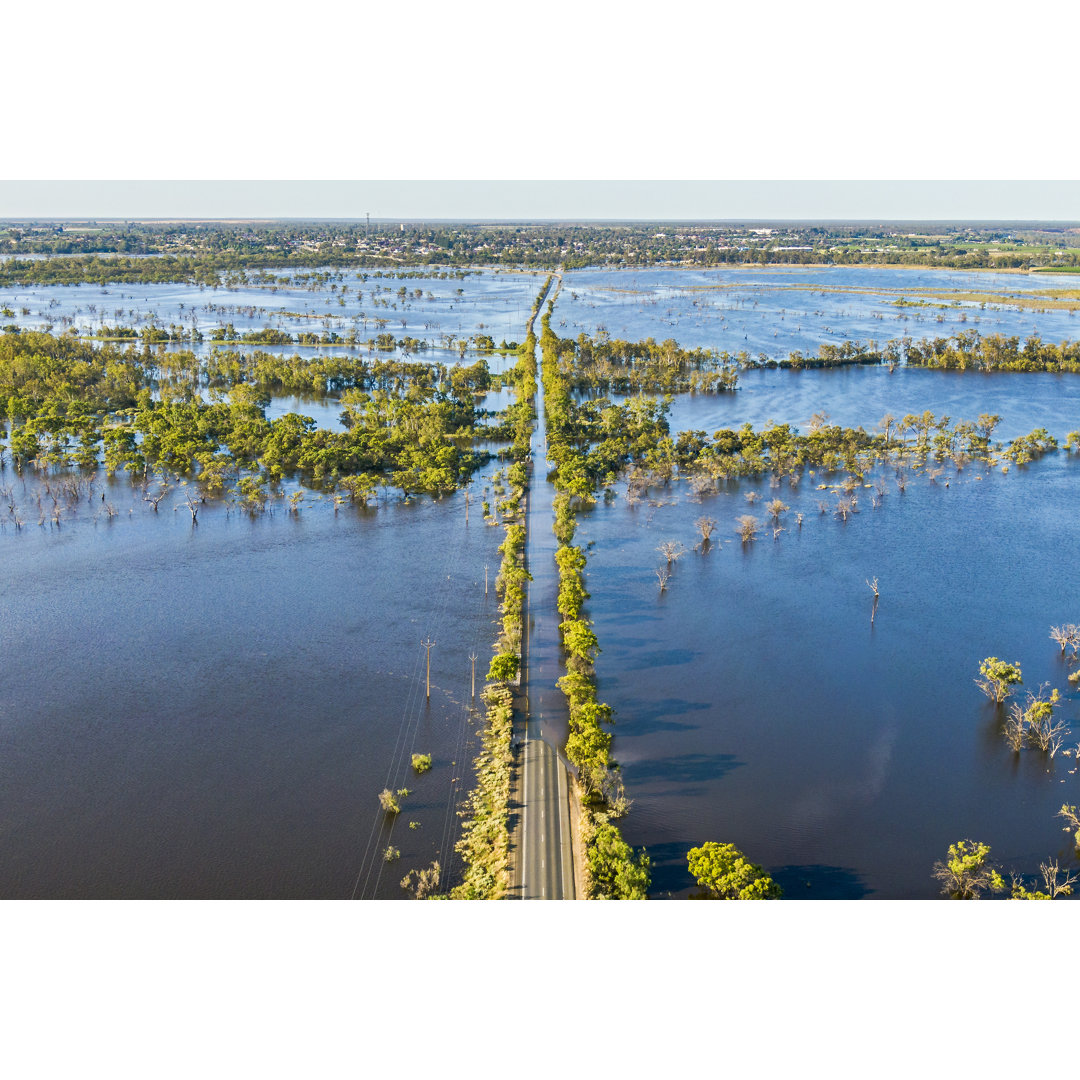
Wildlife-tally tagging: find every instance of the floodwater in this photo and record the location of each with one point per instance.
(436, 309)
(758, 704)
(777, 310)
(212, 711)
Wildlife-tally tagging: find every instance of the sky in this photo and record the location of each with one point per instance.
(944, 109)
(561, 199)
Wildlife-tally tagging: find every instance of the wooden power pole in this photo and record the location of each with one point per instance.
(429, 645)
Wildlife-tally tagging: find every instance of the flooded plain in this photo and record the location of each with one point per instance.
(212, 711)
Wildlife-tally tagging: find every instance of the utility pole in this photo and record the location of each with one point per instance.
(485, 579)
(468, 495)
(472, 657)
(429, 645)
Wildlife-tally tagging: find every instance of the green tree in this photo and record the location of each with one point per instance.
(729, 875)
(967, 873)
(504, 667)
(999, 677)
(613, 870)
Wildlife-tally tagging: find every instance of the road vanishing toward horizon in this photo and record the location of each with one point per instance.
(542, 841)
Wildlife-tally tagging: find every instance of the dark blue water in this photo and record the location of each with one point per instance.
(212, 712)
(756, 704)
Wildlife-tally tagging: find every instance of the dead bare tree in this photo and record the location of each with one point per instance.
(1071, 814)
(705, 525)
(1054, 888)
(747, 527)
(154, 499)
(663, 576)
(671, 550)
(1014, 728)
(1067, 636)
(845, 506)
(700, 486)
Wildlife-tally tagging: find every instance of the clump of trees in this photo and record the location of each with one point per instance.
(967, 874)
(75, 405)
(727, 874)
(614, 366)
(1034, 724)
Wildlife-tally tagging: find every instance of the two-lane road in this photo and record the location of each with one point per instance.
(546, 860)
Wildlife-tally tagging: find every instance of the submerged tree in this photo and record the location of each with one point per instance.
(776, 507)
(1067, 636)
(1053, 887)
(672, 550)
(747, 527)
(1071, 814)
(999, 677)
(729, 875)
(423, 883)
(705, 525)
(966, 874)
(1034, 723)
